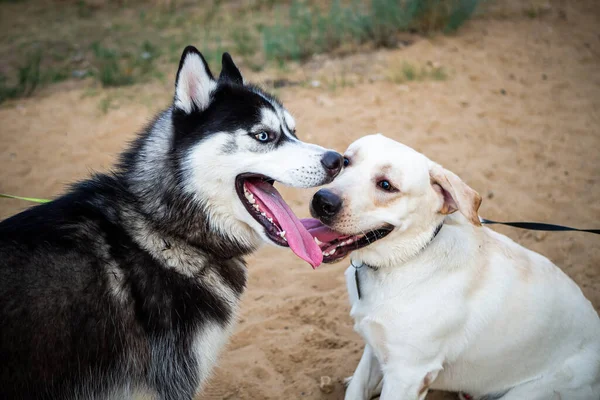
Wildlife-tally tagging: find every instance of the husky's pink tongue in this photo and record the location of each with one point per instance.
(300, 241)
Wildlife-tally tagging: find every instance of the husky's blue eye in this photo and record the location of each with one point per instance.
(262, 136)
(385, 185)
(346, 161)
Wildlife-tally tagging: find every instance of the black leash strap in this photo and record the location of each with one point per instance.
(537, 226)
(357, 282)
(534, 226)
(356, 276)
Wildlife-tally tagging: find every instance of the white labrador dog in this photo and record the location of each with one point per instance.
(442, 302)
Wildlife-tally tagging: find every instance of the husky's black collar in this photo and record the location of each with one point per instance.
(375, 268)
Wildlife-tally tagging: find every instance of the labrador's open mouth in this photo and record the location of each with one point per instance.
(265, 205)
(334, 245)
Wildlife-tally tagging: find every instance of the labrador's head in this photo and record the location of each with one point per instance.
(388, 198)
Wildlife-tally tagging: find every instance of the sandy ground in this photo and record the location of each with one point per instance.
(518, 119)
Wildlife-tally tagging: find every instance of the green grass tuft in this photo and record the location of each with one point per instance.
(246, 44)
(28, 78)
(409, 72)
(121, 69)
(309, 30)
(109, 70)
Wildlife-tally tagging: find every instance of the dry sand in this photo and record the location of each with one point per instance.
(518, 119)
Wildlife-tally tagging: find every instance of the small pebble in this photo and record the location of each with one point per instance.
(79, 73)
(540, 236)
(326, 386)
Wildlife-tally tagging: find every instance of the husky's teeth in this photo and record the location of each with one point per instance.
(256, 207)
(317, 241)
(263, 214)
(249, 197)
(270, 220)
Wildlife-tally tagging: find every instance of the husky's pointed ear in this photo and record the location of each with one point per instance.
(229, 71)
(455, 194)
(194, 82)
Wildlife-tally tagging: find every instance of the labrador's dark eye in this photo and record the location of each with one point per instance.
(346, 161)
(262, 137)
(385, 185)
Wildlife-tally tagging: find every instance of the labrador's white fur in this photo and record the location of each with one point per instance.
(470, 310)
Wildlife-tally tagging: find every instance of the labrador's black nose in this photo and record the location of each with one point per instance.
(325, 204)
(332, 162)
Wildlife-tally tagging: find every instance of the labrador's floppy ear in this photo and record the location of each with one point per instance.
(194, 82)
(456, 194)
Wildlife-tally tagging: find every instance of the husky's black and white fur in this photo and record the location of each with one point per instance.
(131, 281)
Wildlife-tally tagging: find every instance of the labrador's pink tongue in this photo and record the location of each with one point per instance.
(320, 231)
(300, 241)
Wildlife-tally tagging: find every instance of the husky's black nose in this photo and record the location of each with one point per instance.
(325, 204)
(332, 162)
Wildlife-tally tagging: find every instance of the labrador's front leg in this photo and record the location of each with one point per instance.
(366, 378)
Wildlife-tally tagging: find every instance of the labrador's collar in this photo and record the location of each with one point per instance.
(375, 268)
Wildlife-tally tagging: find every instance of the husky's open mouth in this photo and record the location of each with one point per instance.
(335, 245)
(265, 205)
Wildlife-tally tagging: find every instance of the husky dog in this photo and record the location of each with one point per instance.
(130, 282)
(442, 302)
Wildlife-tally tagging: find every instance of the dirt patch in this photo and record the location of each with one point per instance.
(517, 118)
